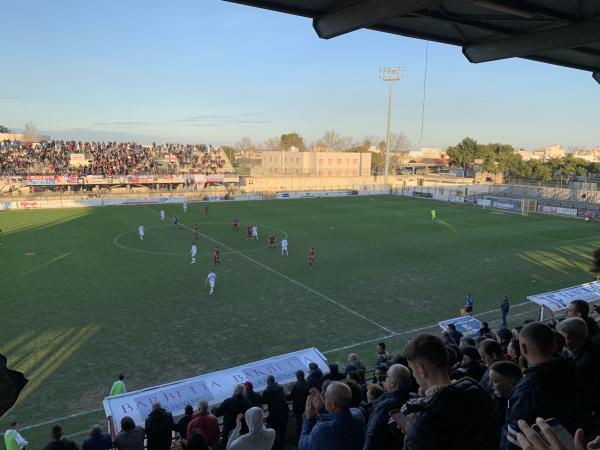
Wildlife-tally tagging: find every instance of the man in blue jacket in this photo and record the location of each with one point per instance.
(338, 429)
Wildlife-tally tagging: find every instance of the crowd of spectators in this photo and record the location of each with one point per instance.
(493, 390)
(107, 158)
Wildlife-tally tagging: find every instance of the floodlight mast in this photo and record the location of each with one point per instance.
(389, 74)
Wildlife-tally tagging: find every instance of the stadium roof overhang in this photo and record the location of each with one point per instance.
(565, 33)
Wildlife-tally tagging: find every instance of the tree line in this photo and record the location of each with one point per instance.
(501, 158)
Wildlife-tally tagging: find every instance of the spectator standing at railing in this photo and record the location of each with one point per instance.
(131, 436)
(182, 424)
(58, 442)
(159, 428)
(355, 365)
(298, 395)
(97, 440)
(207, 424)
(383, 357)
(315, 376)
(229, 409)
(251, 396)
(274, 397)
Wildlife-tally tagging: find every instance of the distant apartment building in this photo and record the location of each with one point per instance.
(325, 164)
(587, 155)
(545, 154)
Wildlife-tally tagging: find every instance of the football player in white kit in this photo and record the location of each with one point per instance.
(141, 232)
(210, 279)
(184, 206)
(255, 232)
(193, 251)
(162, 214)
(284, 246)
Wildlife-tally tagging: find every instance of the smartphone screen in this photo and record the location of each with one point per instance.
(561, 432)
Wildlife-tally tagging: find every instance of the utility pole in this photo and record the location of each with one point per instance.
(389, 74)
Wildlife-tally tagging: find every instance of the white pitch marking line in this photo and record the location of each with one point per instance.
(60, 419)
(47, 263)
(291, 280)
(415, 330)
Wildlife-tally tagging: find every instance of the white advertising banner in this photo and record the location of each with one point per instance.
(77, 159)
(6, 206)
(559, 300)
(213, 387)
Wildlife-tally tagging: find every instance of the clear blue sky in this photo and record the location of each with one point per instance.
(211, 71)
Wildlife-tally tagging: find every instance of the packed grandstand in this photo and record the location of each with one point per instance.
(76, 158)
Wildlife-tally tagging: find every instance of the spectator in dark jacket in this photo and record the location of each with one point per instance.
(181, 426)
(581, 308)
(453, 333)
(383, 357)
(315, 376)
(355, 365)
(503, 377)
(471, 365)
(131, 436)
(298, 396)
(274, 397)
(334, 373)
(585, 355)
(503, 337)
(251, 396)
(159, 428)
(97, 440)
(490, 352)
(451, 416)
(58, 442)
(547, 389)
(229, 409)
(380, 436)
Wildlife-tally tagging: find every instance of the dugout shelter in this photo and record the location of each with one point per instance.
(556, 302)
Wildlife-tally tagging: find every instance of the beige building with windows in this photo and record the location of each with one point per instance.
(324, 164)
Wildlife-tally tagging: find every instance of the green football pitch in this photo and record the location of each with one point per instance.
(84, 299)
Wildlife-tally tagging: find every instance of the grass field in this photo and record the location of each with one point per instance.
(84, 299)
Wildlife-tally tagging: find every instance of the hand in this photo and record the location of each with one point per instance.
(309, 409)
(317, 400)
(238, 419)
(592, 445)
(531, 440)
